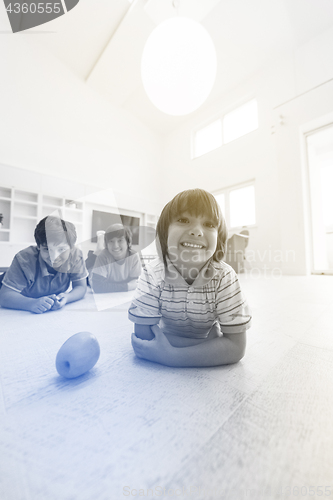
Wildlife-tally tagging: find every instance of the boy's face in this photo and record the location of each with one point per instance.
(191, 240)
(55, 253)
(117, 247)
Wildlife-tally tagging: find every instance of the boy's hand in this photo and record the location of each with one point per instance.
(60, 301)
(156, 350)
(42, 305)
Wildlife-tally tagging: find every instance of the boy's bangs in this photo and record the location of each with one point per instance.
(197, 203)
(59, 231)
(56, 236)
(118, 233)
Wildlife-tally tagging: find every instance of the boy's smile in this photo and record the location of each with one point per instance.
(117, 247)
(191, 240)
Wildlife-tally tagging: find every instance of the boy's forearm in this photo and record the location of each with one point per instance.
(77, 293)
(218, 351)
(143, 332)
(15, 300)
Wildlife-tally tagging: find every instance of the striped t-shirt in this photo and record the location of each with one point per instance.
(164, 297)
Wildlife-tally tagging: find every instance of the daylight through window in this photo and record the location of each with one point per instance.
(238, 122)
(238, 205)
(208, 138)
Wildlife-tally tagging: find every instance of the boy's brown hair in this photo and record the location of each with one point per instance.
(57, 227)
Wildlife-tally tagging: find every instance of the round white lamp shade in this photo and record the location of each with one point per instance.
(178, 66)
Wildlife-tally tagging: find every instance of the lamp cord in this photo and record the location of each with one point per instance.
(175, 5)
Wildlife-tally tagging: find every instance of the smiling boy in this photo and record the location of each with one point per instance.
(117, 267)
(188, 308)
(40, 275)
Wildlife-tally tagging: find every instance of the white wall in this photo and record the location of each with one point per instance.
(53, 123)
(306, 113)
(271, 155)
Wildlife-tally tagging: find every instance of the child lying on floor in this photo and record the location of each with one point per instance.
(188, 308)
(39, 276)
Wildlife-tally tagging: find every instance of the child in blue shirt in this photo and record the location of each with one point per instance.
(188, 308)
(39, 276)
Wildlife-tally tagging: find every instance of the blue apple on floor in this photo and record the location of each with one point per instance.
(77, 355)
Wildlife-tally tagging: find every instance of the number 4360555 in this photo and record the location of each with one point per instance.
(33, 8)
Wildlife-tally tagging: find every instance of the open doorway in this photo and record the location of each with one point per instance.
(320, 164)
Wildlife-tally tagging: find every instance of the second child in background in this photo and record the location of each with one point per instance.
(117, 267)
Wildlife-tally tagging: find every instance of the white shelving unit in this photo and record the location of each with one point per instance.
(66, 209)
(26, 198)
(5, 211)
(151, 220)
(24, 216)
(21, 211)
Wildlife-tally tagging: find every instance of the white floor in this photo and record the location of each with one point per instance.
(133, 429)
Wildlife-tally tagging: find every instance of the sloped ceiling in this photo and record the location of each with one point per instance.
(102, 42)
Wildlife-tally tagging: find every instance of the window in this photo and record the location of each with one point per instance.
(235, 124)
(220, 198)
(241, 206)
(240, 121)
(238, 205)
(208, 138)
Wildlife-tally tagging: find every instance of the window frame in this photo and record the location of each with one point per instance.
(198, 129)
(220, 117)
(236, 109)
(226, 192)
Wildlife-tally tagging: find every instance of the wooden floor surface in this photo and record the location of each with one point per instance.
(132, 429)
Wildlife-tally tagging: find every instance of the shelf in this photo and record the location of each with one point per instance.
(25, 196)
(52, 201)
(73, 205)
(25, 217)
(4, 235)
(71, 218)
(151, 220)
(5, 210)
(23, 210)
(46, 211)
(23, 230)
(73, 210)
(27, 203)
(56, 207)
(5, 193)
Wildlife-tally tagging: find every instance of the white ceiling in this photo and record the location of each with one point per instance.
(101, 41)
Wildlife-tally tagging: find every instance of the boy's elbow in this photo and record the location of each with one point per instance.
(3, 297)
(241, 348)
(80, 290)
(238, 355)
(237, 346)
